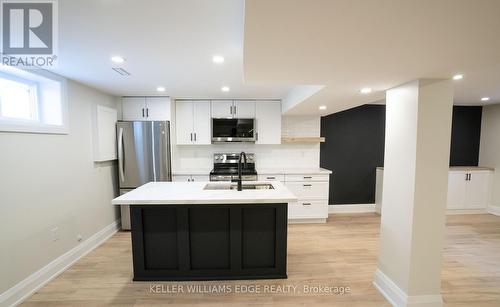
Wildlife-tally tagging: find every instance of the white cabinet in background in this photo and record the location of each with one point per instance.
(312, 191)
(146, 108)
(233, 108)
(192, 121)
(468, 189)
(244, 109)
(268, 122)
(190, 178)
(222, 108)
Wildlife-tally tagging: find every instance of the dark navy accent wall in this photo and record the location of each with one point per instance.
(355, 141)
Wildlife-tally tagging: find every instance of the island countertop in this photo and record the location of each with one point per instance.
(164, 193)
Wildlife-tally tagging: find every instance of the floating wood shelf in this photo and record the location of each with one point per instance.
(302, 139)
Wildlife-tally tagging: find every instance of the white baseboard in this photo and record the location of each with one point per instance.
(398, 297)
(466, 211)
(24, 289)
(495, 210)
(357, 208)
(307, 221)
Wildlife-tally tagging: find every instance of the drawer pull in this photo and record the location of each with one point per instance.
(308, 177)
(271, 177)
(306, 204)
(307, 185)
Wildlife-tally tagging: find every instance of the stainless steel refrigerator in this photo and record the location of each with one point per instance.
(143, 156)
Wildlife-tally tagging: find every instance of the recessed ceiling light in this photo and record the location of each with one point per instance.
(160, 89)
(218, 59)
(366, 90)
(322, 107)
(117, 59)
(485, 99)
(225, 88)
(458, 77)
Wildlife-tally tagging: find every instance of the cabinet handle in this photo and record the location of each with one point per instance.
(308, 177)
(307, 185)
(256, 136)
(470, 177)
(235, 110)
(195, 136)
(142, 112)
(231, 110)
(306, 204)
(191, 136)
(270, 177)
(147, 112)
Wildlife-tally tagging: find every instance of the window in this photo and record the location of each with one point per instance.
(32, 102)
(18, 99)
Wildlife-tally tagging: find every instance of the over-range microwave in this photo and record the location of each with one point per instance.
(233, 130)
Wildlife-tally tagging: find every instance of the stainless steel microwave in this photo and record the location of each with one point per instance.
(233, 130)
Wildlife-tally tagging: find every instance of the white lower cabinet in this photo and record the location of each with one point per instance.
(468, 189)
(190, 178)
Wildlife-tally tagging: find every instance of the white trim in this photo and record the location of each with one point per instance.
(466, 211)
(398, 298)
(307, 220)
(25, 288)
(495, 210)
(357, 208)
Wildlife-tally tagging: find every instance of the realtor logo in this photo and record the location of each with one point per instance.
(29, 33)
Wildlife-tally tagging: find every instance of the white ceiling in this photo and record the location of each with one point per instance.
(350, 44)
(166, 43)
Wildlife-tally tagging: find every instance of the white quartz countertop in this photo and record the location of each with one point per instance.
(292, 171)
(160, 193)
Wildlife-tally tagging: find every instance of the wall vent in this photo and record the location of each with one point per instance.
(121, 71)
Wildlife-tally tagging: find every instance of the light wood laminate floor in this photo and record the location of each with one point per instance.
(341, 253)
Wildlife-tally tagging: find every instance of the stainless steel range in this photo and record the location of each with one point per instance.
(226, 167)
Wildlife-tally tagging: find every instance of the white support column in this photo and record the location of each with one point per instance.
(417, 149)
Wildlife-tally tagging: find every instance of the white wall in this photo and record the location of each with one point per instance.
(49, 181)
(267, 156)
(489, 153)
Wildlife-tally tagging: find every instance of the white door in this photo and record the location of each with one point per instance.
(134, 108)
(158, 108)
(202, 130)
(268, 122)
(222, 108)
(244, 109)
(456, 190)
(477, 190)
(184, 122)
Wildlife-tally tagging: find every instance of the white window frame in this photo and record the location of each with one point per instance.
(35, 126)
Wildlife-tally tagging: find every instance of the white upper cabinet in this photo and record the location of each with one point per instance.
(244, 109)
(158, 108)
(233, 109)
(222, 108)
(201, 129)
(268, 122)
(134, 108)
(184, 121)
(146, 108)
(192, 121)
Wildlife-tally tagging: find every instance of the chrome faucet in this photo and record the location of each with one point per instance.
(242, 154)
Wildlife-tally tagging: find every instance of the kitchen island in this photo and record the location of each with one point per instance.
(208, 230)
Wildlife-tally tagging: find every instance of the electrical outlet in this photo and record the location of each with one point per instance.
(55, 233)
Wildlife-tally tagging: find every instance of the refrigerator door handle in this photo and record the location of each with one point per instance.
(120, 154)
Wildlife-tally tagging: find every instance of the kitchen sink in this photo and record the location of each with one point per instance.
(234, 186)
